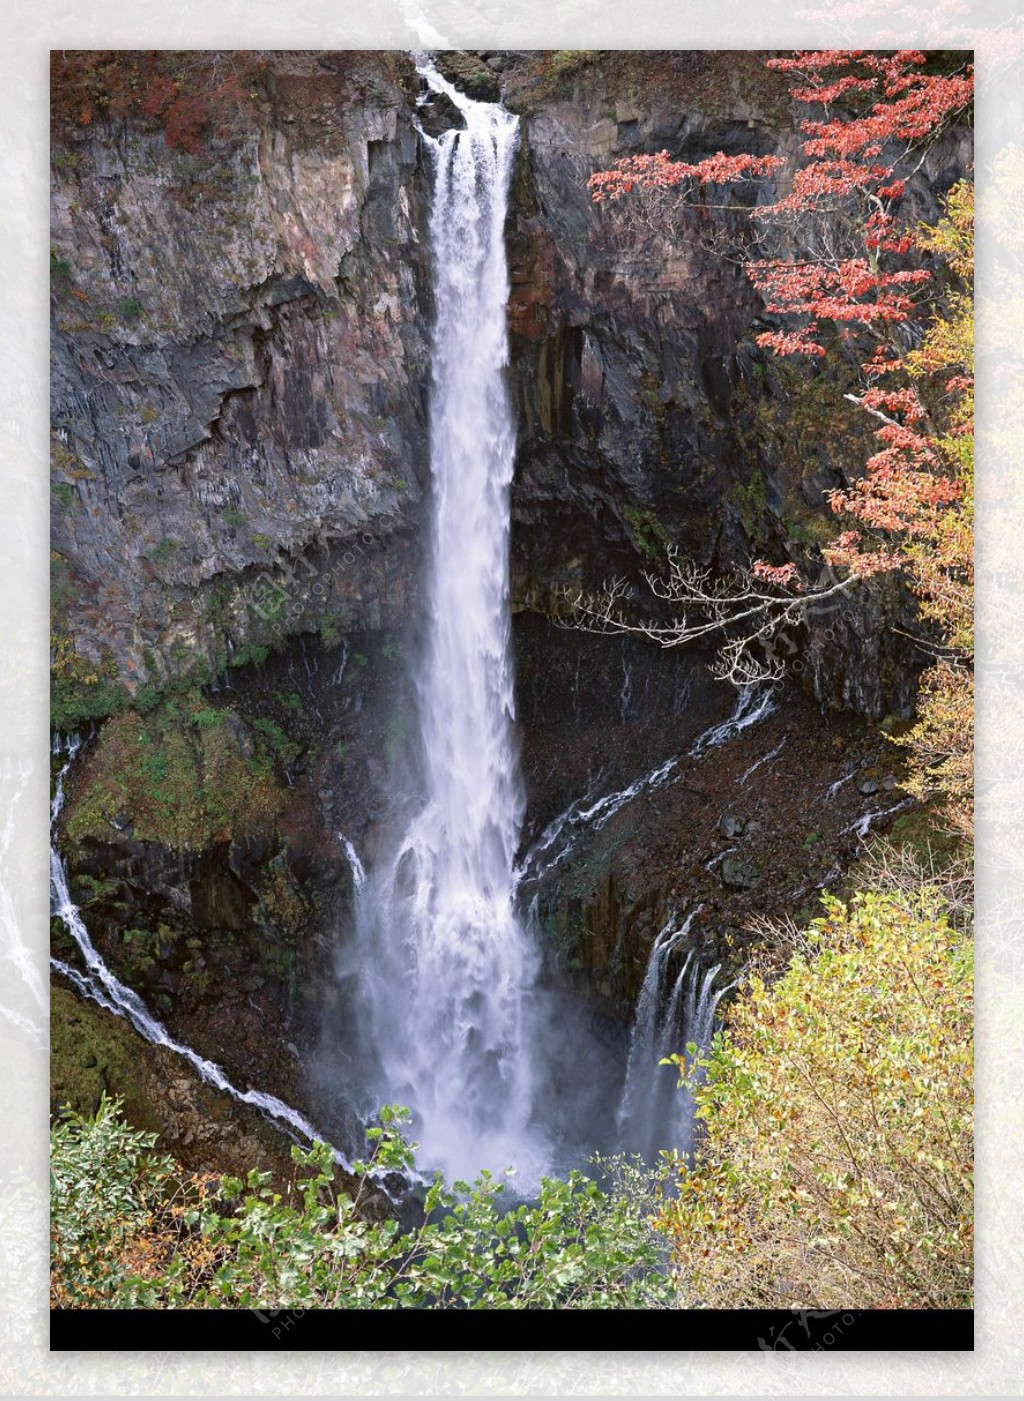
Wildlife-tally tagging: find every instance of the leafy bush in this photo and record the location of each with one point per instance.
(161, 552)
(126, 1230)
(61, 271)
(836, 1168)
(80, 690)
(249, 654)
(105, 1189)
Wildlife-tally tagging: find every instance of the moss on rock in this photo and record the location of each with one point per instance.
(186, 775)
(92, 1052)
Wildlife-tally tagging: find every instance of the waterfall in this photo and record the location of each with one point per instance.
(654, 1112)
(626, 692)
(446, 962)
(587, 815)
(100, 985)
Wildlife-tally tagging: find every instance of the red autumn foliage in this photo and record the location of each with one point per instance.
(855, 164)
(184, 121)
(660, 172)
(195, 98)
(783, 575)
(158, 96)
(914, 505)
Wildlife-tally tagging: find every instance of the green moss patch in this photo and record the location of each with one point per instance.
(93, 1053)
(186, 775)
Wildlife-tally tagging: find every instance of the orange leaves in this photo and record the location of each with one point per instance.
(159, 94)
(662, 173)
(849, 293)
(903, 401)
(783, 575)
(852, 163)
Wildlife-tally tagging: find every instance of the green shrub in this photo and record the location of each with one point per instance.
(331, 630)
(80, 690)
(249, 654)
(104, 1186)
(60, 270)
(836, 1168)
(126, 1230)
(162, 551)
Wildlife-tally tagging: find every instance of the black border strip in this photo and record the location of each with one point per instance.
(323, 1330)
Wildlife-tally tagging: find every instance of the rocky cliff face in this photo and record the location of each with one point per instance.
(647, 411)
(239, 359)
(240, 364)
(240, 456)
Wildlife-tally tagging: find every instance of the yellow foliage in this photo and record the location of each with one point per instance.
(836, 1167)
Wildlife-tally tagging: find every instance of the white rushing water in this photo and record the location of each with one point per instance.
(752, 705)
(588, 814)
(764, 759)
(101, 985)
(446, 963)
(862, 826)
(670, 1013)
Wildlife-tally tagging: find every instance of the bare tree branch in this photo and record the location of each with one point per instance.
(753, 617)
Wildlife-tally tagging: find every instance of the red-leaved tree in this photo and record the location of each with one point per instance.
(841, 211)
(836, 258)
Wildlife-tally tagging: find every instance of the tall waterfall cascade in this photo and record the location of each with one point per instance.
(447, 965)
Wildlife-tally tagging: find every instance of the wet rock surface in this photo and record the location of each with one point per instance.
(790, 774)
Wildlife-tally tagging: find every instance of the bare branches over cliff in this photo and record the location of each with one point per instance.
(751, 615)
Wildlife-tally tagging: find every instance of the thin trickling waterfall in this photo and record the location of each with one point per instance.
(99, 984)
(446, 963)
(587, 815)
(626, 691)
(671, 1012)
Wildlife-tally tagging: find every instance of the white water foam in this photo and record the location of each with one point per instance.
(833, 788)
(654, 1114)
(863, 824)
(354, 864)
(752, 705)
(765, 759)
(447, 966)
